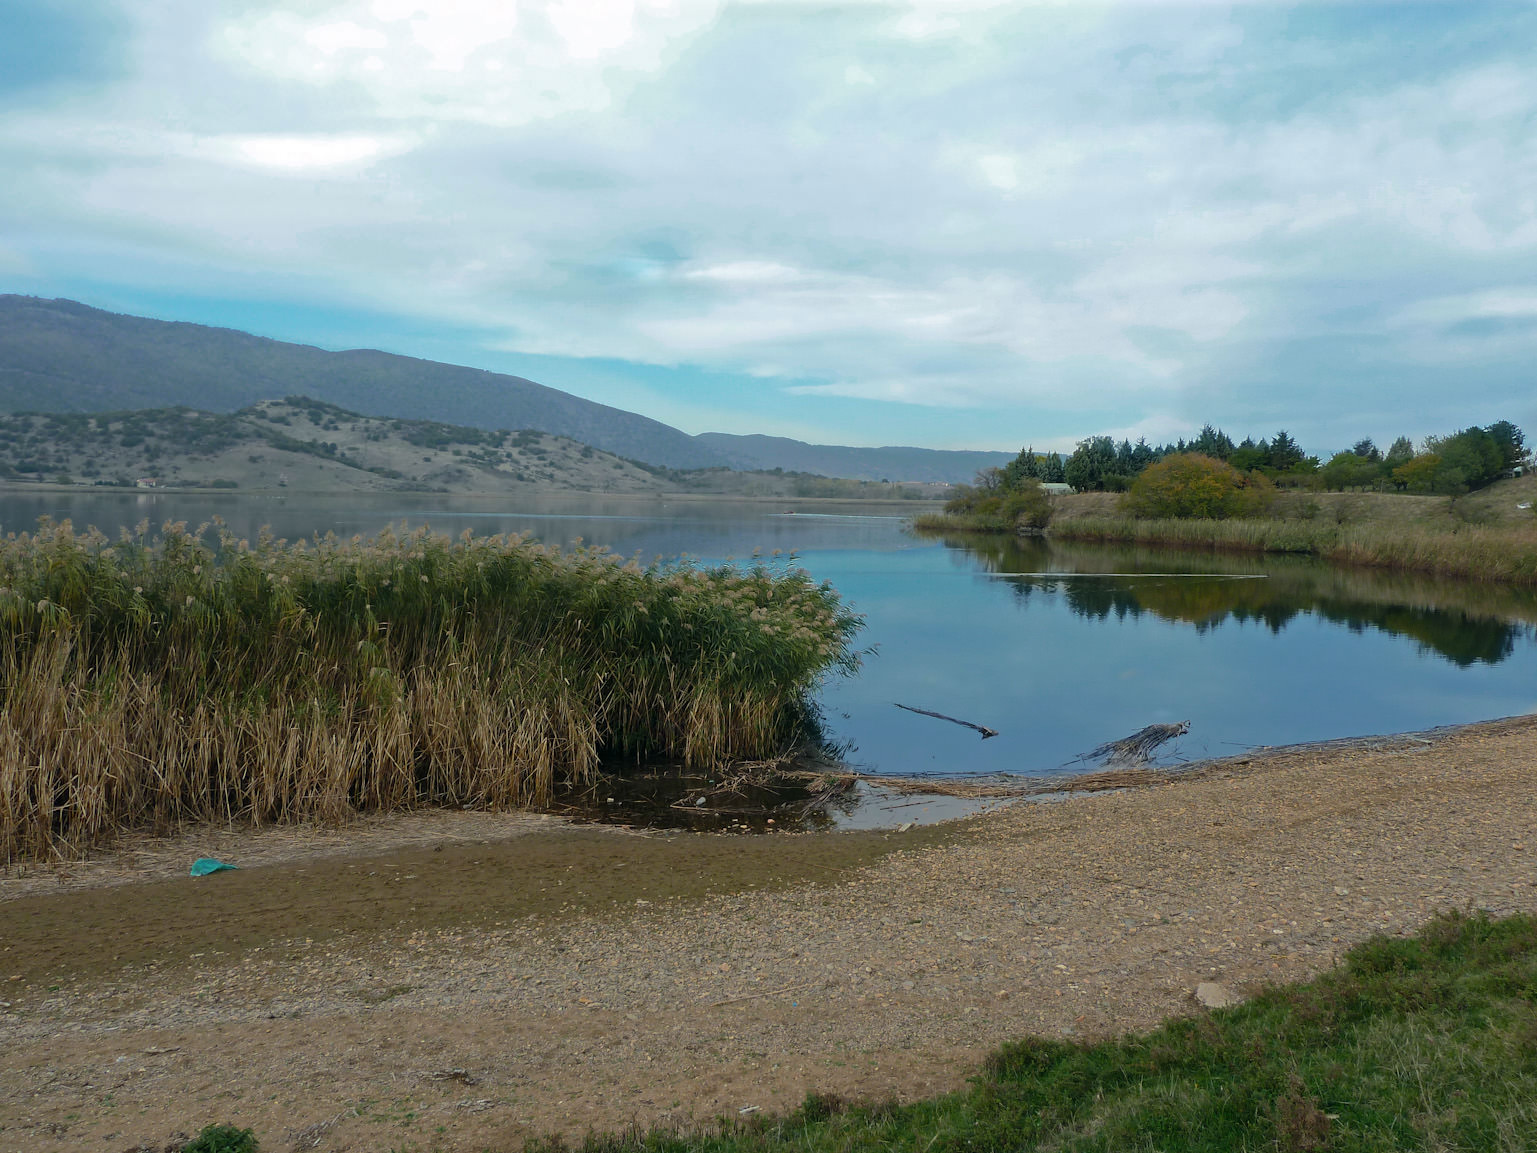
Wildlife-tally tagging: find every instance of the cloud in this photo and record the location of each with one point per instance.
(1081, 216)
(501, 62)
(307, 152)
(1518, 302)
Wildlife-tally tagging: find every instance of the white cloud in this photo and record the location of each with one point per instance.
(1096, 207)
(1002, 172)
(501, 62)
(1518, 302)
(746, 272)
(308, 152)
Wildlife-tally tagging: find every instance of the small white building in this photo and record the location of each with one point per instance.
(147, 482)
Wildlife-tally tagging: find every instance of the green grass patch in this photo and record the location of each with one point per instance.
(937, 522)
(1422, 1043)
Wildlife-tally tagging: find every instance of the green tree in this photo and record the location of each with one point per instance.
(1511, 442)
(1192, 486)
(1025, 466)
(1285, 453)
(1365, 449)
(1350, 470)
(1091, 463)
(1470, 458)
(1401, 452)
(1419, 474)
(1249, 456)
(1212, 442)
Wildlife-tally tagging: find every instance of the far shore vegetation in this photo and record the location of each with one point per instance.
(1421, 1043)
(1458, 506)
(147, 681)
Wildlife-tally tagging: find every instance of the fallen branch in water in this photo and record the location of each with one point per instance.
(1138, 748)
(983, 729)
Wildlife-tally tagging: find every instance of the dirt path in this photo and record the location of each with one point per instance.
(459, 981)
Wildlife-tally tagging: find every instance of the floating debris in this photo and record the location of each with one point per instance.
(983, 729)
(1138, 748)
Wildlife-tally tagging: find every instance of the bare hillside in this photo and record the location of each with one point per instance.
(304, 445)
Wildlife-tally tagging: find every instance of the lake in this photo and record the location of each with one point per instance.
(1058, 647)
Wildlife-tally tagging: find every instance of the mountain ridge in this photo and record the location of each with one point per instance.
(889, 462)
(59, 355)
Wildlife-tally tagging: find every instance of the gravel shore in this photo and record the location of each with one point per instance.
(886, 972)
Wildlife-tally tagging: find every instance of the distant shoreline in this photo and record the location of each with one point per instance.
(9, 487)
(1484, 536)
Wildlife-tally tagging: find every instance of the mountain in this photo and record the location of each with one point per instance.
(307, 446)
(61, 356)
(896, 463)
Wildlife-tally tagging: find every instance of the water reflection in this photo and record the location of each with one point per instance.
(1058, 647)
(1464, 623)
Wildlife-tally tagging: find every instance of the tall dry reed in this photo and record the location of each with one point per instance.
(1464, 552)
(151, 681)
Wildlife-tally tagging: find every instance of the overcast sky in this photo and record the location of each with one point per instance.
(946, 224)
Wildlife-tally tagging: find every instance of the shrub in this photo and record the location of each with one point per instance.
(1023, 507)
(222, 1139)
(1191, 486)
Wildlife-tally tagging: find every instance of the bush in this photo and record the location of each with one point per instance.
(1023, 507)
(1188, 485)
(222, 1139)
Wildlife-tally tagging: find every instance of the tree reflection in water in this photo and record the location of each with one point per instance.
(1464, 623)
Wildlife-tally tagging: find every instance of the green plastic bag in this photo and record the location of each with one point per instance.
(205, 865)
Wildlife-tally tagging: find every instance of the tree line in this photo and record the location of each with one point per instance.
(1459, 462)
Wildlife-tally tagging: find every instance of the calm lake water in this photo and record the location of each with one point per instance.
(1059, 648)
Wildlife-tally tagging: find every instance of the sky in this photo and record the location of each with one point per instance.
(946, 223)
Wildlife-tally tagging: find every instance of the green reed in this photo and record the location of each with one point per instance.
(150, 681)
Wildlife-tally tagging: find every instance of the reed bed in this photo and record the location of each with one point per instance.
(145, 682)
(962, 522)
(1465, 552)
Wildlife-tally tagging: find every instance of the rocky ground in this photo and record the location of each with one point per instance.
(462, 981)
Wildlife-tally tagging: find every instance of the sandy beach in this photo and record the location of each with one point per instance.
(465, 980)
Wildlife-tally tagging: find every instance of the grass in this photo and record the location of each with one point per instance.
(1423, 1043)
(1468, 552)
(962, 522)
(144, 682)
(1483, 536)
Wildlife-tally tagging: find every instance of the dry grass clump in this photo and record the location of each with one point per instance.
(146, 682)
(1506, 555)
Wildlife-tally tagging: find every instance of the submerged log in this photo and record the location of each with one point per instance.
(983, 729)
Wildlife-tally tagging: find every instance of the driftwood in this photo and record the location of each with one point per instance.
(1138, 748)
(983, 729)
